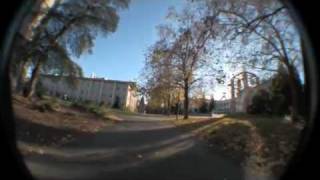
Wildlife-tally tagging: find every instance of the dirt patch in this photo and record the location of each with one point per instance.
(53, 127)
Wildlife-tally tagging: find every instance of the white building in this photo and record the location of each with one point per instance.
(93, 89)
(242, 92)
(222, 106)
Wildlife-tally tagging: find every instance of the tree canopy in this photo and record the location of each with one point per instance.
(67, 29)
(202, 39)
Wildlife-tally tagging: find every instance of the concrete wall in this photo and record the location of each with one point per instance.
(96, 90)
(132, 99)
(223, 106)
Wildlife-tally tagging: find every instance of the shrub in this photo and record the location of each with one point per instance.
(260, 104)
(40, 91)
(204, 107)
(49, 104)
(279, 104)
(102, 103)
(91, 107)
(116, 104)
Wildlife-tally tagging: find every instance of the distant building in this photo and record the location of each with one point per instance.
(222, 106)
(195, 104)
(99, 90)
(243, 88)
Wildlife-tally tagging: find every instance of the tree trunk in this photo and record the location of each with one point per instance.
(294, 88)
(306, 88)
(29, 90)
(169, 105)
(20, 78)
(294, 93)
(186, 100)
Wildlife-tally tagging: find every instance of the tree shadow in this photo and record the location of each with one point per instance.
(40, 134)
(36, 133)
(166, 153)
(190, 161)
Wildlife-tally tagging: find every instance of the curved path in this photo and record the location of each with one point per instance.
(145, 148)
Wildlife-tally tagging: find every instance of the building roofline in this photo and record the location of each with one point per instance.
(91, 79)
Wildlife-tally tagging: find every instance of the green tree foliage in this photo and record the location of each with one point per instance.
(116, 103)
(185, 49)
(204, 106)
(67, 28)
(267, 26)
(260, 103)
(142, 105)
(211, 104)
(159, 79)
(282, 95)
(279, 100)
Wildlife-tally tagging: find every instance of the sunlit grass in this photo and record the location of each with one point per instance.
(268, 139)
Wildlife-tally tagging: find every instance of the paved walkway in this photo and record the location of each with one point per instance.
(141, 149)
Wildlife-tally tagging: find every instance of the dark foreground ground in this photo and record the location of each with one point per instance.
(137, 149)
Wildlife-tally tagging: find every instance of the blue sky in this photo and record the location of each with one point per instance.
(120, 55)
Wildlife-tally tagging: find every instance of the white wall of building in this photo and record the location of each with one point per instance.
(96, 90)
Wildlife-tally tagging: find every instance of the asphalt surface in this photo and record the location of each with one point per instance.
(141, 148)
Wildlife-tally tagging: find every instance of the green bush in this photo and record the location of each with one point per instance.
(278, 101)
(88, 106)
(261, 103)
(279, 104)
(102, 103)
(116, 104)
(204, 107)
(48, 104)
(40, 91)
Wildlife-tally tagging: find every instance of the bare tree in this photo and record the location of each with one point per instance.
(185, 49)
(268, 37)
(159, 77)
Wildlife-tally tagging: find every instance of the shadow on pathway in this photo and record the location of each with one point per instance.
(136, 150)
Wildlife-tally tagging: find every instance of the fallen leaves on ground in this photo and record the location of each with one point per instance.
(53, 128)
(256, 141)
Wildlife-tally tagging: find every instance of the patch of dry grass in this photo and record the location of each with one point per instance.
(51, 122)
(57, 116)
(266, 141)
